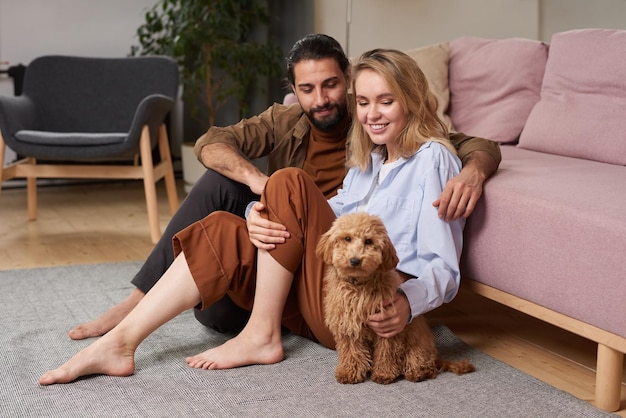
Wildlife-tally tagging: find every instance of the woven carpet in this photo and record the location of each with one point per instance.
(38, 306)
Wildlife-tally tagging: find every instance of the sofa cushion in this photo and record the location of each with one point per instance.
(494, 84)
(433, 61)
(544, 231)
(583, 97)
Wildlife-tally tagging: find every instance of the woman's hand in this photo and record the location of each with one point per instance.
(263, 233)
(392, 319)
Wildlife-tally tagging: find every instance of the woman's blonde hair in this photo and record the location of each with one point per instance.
(409, 88)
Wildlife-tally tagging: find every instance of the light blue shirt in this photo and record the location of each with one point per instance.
(429, 249)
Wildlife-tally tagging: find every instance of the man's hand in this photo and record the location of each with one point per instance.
(257, 183)
(230, 162)
(263, 233)
(392, 319)
(461, 193)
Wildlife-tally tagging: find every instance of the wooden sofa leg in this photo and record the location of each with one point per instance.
(609, 378)
(149, 184)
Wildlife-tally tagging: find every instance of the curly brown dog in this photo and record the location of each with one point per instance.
(360, 278)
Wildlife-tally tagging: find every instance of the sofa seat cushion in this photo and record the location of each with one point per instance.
(70, 139)
(552, 230)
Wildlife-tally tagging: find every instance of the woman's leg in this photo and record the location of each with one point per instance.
(213, 192)
(293, 199)
(114, 353)
(260, 341)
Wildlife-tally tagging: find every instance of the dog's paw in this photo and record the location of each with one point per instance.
(350, 375)
(458, 367)
(421, 373)
(384, 378)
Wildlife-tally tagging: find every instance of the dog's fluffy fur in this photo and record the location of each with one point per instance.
(360, 278)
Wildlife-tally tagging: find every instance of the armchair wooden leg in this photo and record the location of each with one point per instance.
(31, 199)
(11, 171)
(3, 149)
(149, 184)
(609, 378)
(31, 193)
(170, 181)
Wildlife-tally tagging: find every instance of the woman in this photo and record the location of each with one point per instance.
(399, 164)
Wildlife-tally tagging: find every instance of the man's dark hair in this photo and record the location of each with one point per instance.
(314, 47)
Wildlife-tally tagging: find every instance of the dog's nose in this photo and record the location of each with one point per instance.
(355, 261)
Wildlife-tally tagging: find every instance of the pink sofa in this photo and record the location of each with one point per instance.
(549, 235)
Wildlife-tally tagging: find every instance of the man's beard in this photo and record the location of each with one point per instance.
(329, 122)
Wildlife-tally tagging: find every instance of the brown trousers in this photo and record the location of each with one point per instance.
(222, 259)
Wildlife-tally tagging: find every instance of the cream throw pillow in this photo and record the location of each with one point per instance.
(433, 61)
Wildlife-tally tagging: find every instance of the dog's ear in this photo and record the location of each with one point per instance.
(390, 258)
(324, 249)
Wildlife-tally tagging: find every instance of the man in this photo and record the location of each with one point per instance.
(310, 136)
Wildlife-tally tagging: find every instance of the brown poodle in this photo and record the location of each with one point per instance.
(360, 278)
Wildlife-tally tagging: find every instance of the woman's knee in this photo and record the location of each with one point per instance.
(287, 174)
(290, 180)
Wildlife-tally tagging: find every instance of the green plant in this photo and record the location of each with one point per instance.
(216, 44)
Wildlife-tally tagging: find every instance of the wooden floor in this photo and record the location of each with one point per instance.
(107, 222)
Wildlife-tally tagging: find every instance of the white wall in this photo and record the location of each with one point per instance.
(562, 15)
(405, 24)
(30, 28)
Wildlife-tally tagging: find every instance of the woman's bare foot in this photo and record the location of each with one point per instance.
(108, 320)
(245, 349)
(105, 356)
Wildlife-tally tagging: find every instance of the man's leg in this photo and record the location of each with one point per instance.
(212, 192)
(223, 316)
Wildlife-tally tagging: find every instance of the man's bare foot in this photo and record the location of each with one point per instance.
(108, 320)
(245, 349)
(105, 356)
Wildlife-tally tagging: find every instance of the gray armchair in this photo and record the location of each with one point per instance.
(92, 118)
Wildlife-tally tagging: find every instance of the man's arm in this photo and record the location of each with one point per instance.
(229, 150)
(229, 162)
(480, 159)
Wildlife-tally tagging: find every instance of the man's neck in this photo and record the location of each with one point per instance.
(338, 133)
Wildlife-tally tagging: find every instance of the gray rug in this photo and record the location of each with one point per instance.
(38, 306)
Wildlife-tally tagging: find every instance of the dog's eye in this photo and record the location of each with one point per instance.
(368, 241)
(348, 239)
